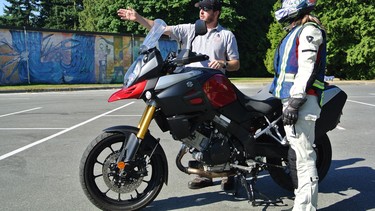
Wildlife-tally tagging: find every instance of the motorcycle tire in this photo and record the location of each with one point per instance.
(282, 177)
(102, 184)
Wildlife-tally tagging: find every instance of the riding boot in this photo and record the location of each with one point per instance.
(200, 182)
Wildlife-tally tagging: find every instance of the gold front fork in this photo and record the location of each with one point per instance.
(145, 121)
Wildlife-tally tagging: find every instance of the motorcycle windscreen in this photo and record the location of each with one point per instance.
(219, 91)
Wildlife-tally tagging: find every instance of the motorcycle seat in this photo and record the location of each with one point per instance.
(263, 101)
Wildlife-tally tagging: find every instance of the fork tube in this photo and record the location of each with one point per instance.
(143, 116)
(145, 121)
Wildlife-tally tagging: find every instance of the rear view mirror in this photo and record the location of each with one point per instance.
(200, 27)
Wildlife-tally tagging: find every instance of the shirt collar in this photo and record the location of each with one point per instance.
(217, 28)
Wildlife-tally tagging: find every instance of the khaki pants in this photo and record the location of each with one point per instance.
(302, 156)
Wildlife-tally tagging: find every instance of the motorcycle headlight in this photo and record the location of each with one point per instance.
(133, 72)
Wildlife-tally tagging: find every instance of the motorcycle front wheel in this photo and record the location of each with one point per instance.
(279, 170)
(109, 189)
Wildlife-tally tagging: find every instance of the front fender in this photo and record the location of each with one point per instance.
(149, 141)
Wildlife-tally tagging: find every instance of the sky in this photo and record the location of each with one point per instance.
(2, 2)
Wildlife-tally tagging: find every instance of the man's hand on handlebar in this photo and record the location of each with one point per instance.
(216, 64)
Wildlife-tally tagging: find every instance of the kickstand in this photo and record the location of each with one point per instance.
(251, 191)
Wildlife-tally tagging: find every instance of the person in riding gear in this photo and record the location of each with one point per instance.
(299, 81)
(218, 43)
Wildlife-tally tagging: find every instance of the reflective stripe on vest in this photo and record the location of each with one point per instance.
(285, 75)
(289, 77)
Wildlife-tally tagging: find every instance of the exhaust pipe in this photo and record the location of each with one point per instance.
(207, 174)
(184, 149)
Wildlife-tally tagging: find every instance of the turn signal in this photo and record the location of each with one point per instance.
(121, 165)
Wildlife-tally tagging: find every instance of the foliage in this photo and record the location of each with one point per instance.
(251, 36)
(274, 35)
(19, 13)
(102, 16)
(350, 26)
(351, 37)
(59, 14)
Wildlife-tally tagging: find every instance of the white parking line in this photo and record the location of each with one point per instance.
(18, 112)
(59, 133)
(353, 101)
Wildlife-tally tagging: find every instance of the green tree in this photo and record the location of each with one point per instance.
(59, 14)
(350, 26)
(251, 33)
(20, 13)
(274, 35)
(102, 16)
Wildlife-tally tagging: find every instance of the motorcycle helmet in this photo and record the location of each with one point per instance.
(291, 9)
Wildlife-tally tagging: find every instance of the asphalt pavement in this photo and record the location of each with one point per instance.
(44, 134)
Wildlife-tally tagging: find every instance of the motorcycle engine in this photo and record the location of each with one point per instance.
(210, 146)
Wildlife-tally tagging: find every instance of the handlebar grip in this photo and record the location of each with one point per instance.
(186, 56)
(199, 58)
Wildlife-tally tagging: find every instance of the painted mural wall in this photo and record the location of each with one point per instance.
(39, 57)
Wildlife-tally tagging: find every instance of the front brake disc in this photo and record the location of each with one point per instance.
(118, 183)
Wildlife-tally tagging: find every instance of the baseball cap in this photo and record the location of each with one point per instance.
(209, 4)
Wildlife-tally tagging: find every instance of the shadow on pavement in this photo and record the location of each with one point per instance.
(265, 185)
(354, 187)
(358, 181)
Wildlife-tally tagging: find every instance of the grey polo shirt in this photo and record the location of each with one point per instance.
(218, 43)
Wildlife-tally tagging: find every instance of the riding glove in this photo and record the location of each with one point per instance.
(290, 113)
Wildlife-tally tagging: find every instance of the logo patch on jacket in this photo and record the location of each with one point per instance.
(309, 38)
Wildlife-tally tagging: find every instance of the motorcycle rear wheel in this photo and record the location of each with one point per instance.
(108, 191)
(282, 177)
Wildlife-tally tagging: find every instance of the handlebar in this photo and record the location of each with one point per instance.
(199, 58)
(186, 56)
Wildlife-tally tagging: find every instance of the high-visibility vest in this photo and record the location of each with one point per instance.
(286, 65)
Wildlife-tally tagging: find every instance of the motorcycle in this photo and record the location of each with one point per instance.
(226, 132)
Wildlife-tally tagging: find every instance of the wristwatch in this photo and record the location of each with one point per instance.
(225, 64)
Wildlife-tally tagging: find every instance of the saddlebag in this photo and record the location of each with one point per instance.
(333, 103)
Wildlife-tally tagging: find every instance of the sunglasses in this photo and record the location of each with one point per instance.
(206, 9)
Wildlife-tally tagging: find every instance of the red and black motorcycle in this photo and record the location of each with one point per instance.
(226, 132)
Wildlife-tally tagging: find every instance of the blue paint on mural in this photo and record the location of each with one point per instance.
(42, 70)
(166, 46)
(82, 66)
(55, 57)
(19, 58)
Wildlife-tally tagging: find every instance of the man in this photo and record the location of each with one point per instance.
(299, 80)
(219, 44)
